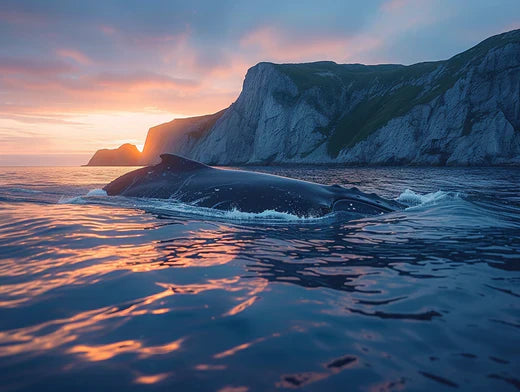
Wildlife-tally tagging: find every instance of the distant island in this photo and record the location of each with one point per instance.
(461, 111)
(125, 155)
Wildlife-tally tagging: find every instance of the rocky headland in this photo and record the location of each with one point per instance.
(461, 111)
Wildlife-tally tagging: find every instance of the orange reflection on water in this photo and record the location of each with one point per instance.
(234, 350)
(243, 346)
(203, 248)
(241, 306)
(233, 284)
(36, 338)
(67, 330)
(104, 352)
(107, 351)
(231, 388)
(151, 379)
(83, 246)
(205, 367)
(256, 287)
(160, 350)
(22, 292)
(253, 287)
(100, 261)
(83, 257)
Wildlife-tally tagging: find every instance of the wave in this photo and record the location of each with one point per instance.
(23, 190)
(83, 199)
(414, 200)
(234, 214)
(455, 209)
(169, 206)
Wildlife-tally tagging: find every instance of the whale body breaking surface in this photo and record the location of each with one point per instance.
(195, 183)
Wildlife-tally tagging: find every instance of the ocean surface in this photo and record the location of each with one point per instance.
(105, 293)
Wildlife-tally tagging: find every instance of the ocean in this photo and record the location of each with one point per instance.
(103, 293)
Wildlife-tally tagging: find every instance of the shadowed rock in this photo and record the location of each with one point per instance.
(125, 155)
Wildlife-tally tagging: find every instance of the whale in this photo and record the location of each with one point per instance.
(184, 180)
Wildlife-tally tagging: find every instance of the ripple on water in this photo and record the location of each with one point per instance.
(100, 291)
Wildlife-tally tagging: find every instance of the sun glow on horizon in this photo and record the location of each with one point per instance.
(77, 135)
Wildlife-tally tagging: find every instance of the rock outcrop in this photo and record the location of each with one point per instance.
(462, 111)
(125, 155)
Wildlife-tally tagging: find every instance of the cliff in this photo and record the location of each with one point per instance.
(179, 136)
(461, 111)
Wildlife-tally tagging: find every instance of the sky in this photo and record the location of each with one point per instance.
(76, 76)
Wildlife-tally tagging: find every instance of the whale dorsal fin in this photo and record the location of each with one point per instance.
(176, 162)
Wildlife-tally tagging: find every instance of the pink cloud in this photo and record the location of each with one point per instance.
(275, 45)
(111, 92)
(32, 119)
(138, 80)
(75, 55)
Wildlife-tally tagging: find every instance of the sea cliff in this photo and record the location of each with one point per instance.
(461, 111)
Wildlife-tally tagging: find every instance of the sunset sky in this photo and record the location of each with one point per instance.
(76, 76)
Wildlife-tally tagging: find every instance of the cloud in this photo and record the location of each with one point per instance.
(75, 55)
(35, 119)
(35, 67)
(12, 138)
(139, 80)
(107, 92)
(276, 45)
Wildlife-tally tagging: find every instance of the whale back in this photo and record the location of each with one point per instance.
(188, 181)
(178, 163)
(136, 181)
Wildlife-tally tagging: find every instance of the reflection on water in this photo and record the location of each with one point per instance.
(100, 295)
(107, 351)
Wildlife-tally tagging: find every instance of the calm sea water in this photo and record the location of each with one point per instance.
(105, 294)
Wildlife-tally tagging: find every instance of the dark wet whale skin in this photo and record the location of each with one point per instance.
(195, 183)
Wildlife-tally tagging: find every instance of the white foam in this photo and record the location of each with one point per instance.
(408, 197)
(413, 199)
(267, 215)
(174, 206)
(96, 193)
(83, 199)
(235, 214)
(71, 200)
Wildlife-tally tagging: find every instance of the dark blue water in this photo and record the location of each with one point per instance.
(103, 294)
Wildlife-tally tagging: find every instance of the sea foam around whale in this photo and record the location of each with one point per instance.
(408, 198)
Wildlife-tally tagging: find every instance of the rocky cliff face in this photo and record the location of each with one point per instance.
(179, 136)
(462, 111)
